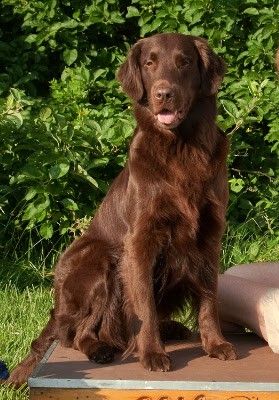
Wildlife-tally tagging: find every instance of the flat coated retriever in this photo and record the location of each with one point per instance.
(155, 241)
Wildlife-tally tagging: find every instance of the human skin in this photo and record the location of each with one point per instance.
(248, 296)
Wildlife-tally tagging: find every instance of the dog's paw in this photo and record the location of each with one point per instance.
(17, 378)
(156, 361)
(102, 355)
(223, 351)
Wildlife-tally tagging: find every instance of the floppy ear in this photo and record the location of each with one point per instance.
(212, 68)
(129, 74)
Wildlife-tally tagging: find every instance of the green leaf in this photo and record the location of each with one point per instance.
(16, 93)
(70, 204)
(236, 185)
(197, 31)
(31, 38)
(83, 173)
(45, 113)
(58, 170)
(36, 210)
(121, 159)
(64, 227)
(251, 11)
(157, 23)
(46, 230)
(40, 216)
(254, 249)
(99, 162)
(132, 12)
(98, 73)
(31, 193)
(10, 101)
(16, 119)
(70, 56)
(230, 108)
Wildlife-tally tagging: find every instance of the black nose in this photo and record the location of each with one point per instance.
(163, 93)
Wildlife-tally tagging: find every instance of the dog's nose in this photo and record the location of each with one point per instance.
(163, 93)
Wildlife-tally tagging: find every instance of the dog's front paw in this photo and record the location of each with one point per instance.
(154, 361)
(223, 351)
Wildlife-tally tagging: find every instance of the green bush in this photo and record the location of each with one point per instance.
(64, 125)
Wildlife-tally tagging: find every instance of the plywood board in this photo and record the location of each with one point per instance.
(67, 374)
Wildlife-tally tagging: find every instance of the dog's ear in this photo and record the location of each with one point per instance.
(129, 74)
(212, 67)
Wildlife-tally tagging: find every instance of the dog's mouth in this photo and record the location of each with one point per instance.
(169, 119)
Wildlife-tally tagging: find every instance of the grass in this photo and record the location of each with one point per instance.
(26, 294)
(23, 313)
(248, 243)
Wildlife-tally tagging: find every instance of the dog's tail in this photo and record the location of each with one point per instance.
(38, 348)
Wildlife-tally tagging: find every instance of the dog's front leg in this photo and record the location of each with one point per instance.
(212, 224)
(137, 273)
(212, 340)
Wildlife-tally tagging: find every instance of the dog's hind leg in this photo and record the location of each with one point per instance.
(100, 339)
(87, 341)
(83, 302)
(38, 348)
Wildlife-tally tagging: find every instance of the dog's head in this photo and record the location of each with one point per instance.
(167, 72)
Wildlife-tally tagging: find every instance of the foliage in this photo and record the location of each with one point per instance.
(64, 125)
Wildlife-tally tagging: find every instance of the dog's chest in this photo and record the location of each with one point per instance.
(185, 183)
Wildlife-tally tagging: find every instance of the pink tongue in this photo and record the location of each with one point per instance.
(166, 117)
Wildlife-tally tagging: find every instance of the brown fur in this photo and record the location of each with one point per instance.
(155, 240)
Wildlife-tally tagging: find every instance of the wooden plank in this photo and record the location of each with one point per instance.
(256, 369)
(66, 374)
(107, 394)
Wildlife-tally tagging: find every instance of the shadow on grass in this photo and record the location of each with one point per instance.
(23, 274)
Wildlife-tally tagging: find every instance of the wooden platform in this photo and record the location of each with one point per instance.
(67, 374)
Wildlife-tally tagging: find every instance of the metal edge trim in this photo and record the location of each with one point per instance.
(43, 360)
(157, 385)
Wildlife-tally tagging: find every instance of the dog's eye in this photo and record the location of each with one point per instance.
(149, 63)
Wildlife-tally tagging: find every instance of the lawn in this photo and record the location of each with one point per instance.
(26, 296)
(23, 312)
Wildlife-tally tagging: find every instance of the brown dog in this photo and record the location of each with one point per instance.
(155, 240)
